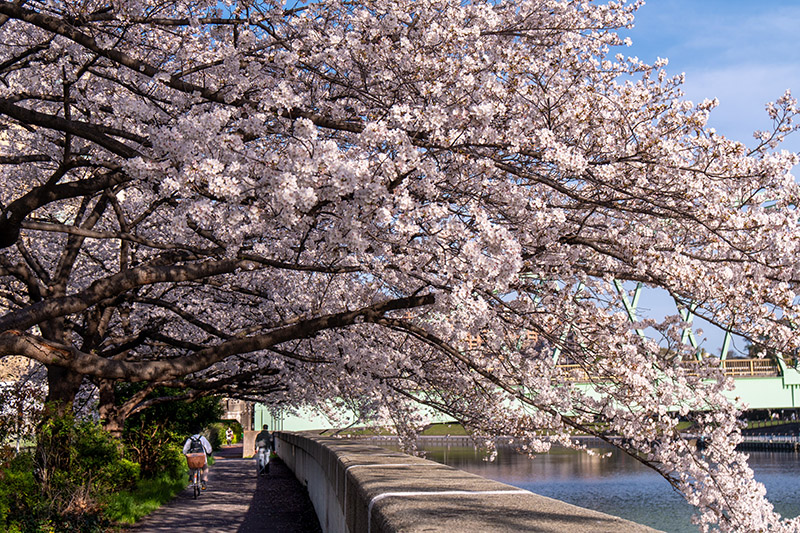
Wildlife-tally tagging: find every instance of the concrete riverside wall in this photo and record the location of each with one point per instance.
(361, 488)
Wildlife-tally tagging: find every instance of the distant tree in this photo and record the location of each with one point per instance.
(327, 202)
(153, 436)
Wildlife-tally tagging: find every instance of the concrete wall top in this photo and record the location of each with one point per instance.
(381, 491)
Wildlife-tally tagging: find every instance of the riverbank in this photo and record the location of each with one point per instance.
(773, 427)
(773, 436)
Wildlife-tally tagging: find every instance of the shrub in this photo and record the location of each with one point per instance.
(77, 465)
(81, 454)
(100, 459)
(215, 433)
(63, 486)
(20, 499)
(154, 447)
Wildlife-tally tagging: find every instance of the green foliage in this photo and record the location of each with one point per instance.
(238, 430)
(81, 453)
(62, 486)
(215, 433)
(20, 498)
(101, 460)
(83, 480)
(70, 523)
(77, 465)
(156, 448)
(154, 437)
(148, 495)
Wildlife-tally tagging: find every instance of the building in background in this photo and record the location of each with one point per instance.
(239, 410)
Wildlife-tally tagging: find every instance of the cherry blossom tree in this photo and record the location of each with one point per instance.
(332, 202)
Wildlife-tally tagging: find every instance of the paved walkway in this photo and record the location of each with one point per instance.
(238, 501)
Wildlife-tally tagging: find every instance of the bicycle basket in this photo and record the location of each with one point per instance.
(196, 460)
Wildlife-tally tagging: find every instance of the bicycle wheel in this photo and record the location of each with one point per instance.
(196, 483)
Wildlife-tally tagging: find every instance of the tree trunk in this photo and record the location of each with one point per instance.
(53, 441)
(111, 416)
(62, 387)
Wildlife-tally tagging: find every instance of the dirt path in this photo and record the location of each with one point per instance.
(238, 501)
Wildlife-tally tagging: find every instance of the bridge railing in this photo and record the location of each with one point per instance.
(751, 367)
(574, 372)
(738, 368)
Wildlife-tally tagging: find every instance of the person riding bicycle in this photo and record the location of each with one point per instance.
(263, 447)
(199, 444)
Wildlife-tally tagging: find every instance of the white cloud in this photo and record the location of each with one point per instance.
(745, 53)
(743, 91)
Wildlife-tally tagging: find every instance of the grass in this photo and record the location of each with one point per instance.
(443, 430)
(358, 432)
(457, 429)
(755, 424)
(147, 496)
(128, 507)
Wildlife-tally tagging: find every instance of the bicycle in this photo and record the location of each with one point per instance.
(195, 462)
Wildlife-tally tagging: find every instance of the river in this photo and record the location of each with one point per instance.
(617, 485)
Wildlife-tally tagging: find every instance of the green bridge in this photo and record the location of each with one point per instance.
(766, 383)
(760, 383)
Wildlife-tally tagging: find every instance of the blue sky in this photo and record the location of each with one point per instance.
(745, 53)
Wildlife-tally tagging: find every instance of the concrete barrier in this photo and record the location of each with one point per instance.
(249, 443)
(361, 488)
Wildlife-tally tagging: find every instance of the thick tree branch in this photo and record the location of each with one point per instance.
(15, 213)
(85, 130)
(114, 285)
(13, 342)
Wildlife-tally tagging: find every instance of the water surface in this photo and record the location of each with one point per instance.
(617, 485)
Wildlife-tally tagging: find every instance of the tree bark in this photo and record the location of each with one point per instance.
(111, 416)
(62, 387)
(51, 442)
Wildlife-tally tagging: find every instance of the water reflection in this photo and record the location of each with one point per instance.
(617, 485)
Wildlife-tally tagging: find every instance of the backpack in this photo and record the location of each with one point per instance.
(196, 446)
